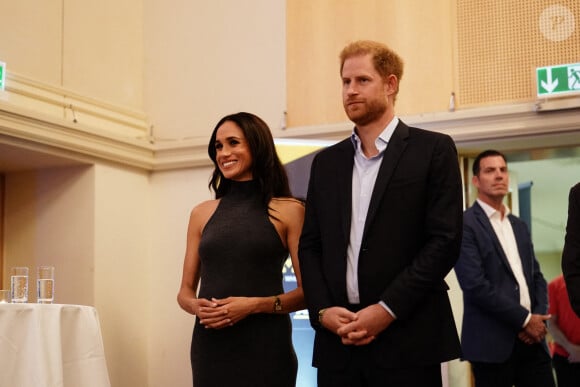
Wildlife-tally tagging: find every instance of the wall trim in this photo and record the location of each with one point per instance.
(550, 123)
(105, 132)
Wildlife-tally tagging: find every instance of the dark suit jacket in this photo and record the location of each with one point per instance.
(571, 253)
(411, 241)
(492, 315)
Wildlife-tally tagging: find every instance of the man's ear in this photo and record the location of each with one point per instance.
(391, 85)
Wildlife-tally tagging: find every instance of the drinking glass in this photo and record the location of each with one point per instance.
(45, 284)
(19, 284)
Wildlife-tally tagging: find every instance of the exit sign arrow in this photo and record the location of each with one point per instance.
(558, 80)
(549, 85)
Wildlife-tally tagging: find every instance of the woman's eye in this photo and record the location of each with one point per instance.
(218, 146)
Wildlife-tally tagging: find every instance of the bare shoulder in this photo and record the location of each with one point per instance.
(201, 213)
(289, 208)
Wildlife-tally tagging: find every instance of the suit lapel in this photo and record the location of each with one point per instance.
(391, 157)
(486, 224)
(345, 164)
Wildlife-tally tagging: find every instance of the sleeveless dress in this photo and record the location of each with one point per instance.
(242, 254)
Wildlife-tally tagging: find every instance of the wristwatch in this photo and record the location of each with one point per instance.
(320, 313)
(277, 304)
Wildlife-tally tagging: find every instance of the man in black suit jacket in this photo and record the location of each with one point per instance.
(505, 296)
(571, 253)
(382, 230)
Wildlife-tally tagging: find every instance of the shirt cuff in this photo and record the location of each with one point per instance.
(382, 303)
(527, 320)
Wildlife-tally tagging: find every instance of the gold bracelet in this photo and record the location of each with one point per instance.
(277, 305)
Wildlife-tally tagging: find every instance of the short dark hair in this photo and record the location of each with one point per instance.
(267, 169)
(486, 153)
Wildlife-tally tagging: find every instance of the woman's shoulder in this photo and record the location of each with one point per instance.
(205, 205)
(203, 211)
(287, 202)
(287, 205)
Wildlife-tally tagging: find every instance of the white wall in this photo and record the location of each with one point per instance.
(93, 48)
(174, 194)
(206, 59)
(123, 270)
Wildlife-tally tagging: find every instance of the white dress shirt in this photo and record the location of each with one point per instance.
(364, 175)
(505, 233)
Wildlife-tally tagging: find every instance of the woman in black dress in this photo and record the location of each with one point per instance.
(236, 248)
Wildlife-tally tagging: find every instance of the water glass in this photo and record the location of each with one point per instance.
(45, 284)
(19, 284)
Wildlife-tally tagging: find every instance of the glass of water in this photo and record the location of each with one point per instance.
(45, 284)
(19, 284)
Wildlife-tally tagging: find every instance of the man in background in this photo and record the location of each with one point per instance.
(504, 293)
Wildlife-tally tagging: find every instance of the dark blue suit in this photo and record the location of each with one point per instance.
(493, 316)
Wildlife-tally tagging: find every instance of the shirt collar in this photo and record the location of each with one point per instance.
(381, 141)
(490, 211)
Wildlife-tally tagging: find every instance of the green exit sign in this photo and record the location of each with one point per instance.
(558, 80)
(2, 75)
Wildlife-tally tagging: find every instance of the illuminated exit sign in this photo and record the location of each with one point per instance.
(2, 75)
(558, 80)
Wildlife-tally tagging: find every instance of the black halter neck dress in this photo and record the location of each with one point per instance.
(242, 254)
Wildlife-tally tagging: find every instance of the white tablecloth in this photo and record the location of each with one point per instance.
(51, 346)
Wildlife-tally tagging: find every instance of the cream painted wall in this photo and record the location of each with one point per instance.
(49, 219)
(206, 59)
(30, 30)
(93, 48)
(123, 277)
(103, 50)
(174, 194)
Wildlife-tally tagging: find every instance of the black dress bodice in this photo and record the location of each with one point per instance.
(242, 255)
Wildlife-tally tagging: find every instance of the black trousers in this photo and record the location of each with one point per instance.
(567, 374)
(363, 372)
(528, 366)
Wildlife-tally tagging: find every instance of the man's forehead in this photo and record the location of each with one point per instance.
(492, 161)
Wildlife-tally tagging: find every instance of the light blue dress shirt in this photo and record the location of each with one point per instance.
(364, 175)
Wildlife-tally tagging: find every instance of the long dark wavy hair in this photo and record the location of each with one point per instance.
(267, 170)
